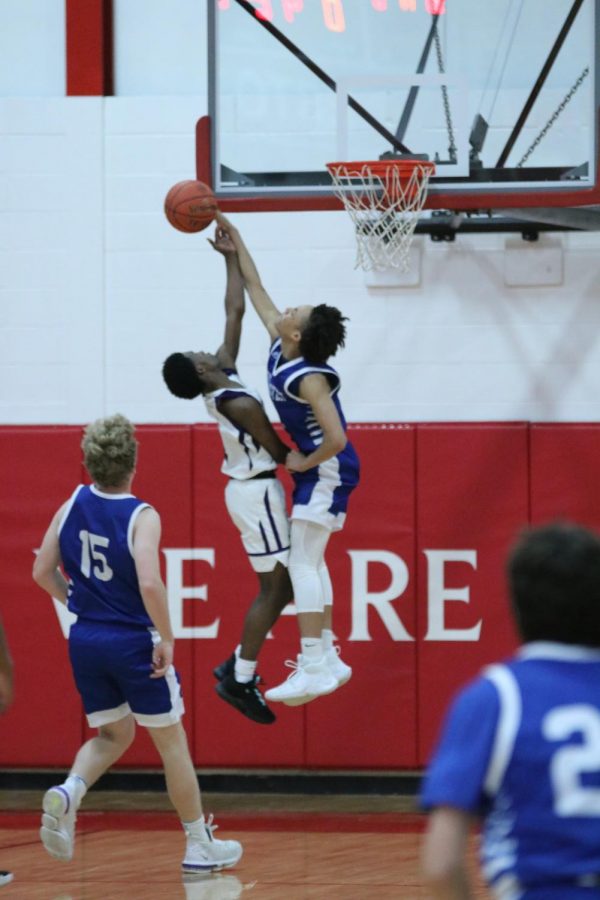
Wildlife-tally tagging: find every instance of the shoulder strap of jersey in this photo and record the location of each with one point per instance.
(69, 506)
(292, 382)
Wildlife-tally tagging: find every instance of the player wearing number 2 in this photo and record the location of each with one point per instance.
(121, 646)
(521, 745)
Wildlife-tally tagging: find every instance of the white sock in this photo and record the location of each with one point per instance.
(77, 788)
(244, 670)
(195, 829)
(312, 648)
(327, 638)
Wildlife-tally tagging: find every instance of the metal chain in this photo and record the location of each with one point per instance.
(449, 126)
(555, 116)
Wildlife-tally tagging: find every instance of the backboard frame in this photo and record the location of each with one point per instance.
(464, 198)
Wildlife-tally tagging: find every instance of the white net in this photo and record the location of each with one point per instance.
(384, 201)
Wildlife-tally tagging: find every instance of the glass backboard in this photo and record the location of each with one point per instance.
(501, 94)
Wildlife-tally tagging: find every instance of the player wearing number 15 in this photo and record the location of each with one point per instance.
(121, 646)
(521, 745)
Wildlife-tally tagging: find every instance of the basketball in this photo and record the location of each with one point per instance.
(190, 206)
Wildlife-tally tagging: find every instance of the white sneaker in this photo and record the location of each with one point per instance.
(58, 823)
(205, 853)
(338, 668)
(6, 877)
(307, 681)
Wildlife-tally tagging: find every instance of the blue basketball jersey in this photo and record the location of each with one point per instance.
(297, 416)
(96, 547)
(521, 748)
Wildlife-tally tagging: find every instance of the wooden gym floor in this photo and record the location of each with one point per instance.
(296, 847)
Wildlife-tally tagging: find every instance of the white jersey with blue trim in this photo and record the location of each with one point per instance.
(244, 457)
(521, 748)
(95, 536)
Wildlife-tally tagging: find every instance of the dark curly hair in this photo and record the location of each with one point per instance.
(554, 578)
(181, 377)
(323, 334)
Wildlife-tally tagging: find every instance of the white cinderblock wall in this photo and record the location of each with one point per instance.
(96, 288)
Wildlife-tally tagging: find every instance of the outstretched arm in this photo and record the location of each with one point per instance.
(235, 305)
(261, 301)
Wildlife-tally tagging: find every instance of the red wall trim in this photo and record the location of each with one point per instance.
(89, 30)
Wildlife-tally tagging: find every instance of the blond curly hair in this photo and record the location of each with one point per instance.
(110, 450)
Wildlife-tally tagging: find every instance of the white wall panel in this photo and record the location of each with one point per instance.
(52, 286)
(32, 48)
(97, 289)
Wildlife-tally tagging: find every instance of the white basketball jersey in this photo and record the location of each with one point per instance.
(244, 457)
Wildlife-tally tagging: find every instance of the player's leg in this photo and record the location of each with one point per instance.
(275, 594)
(238, 686)
(258, 509)
(332, 652)
(204, 852)
(61, 802)
(311, 676)
(91, 650)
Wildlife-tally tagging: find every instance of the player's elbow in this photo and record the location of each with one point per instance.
(39, 572)
(338, 443)
(151, 586)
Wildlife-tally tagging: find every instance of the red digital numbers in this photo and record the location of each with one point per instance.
(333, 15)
(291, 8)
(333, 10)
(264, 10)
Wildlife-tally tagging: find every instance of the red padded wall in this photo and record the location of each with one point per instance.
(565, 473)
(472, 495)
(41, 468)
(373, 718)
(427, 491)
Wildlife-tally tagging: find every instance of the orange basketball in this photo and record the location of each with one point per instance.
(190, 206)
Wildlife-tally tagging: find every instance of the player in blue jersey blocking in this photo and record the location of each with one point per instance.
(304, 389)
(254, 496)
(121, 646)
(520, 748)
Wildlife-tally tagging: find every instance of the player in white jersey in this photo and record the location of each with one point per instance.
(325, 469)
(121, 646)
(254, 496)
(520, 748)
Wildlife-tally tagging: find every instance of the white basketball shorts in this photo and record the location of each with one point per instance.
(257, 508)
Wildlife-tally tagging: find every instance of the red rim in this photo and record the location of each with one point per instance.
(381, 167)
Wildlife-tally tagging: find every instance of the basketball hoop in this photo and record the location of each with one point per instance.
(384, 199)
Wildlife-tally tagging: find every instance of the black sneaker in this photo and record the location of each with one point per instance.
(226, 668)
(247, 698)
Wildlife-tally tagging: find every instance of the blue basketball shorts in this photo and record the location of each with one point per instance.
(112, 665)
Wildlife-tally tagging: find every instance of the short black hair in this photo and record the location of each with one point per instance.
(554, 578)
(181, 377)
(323, 334)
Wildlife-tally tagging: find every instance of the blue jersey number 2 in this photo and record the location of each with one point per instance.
(570, 763)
